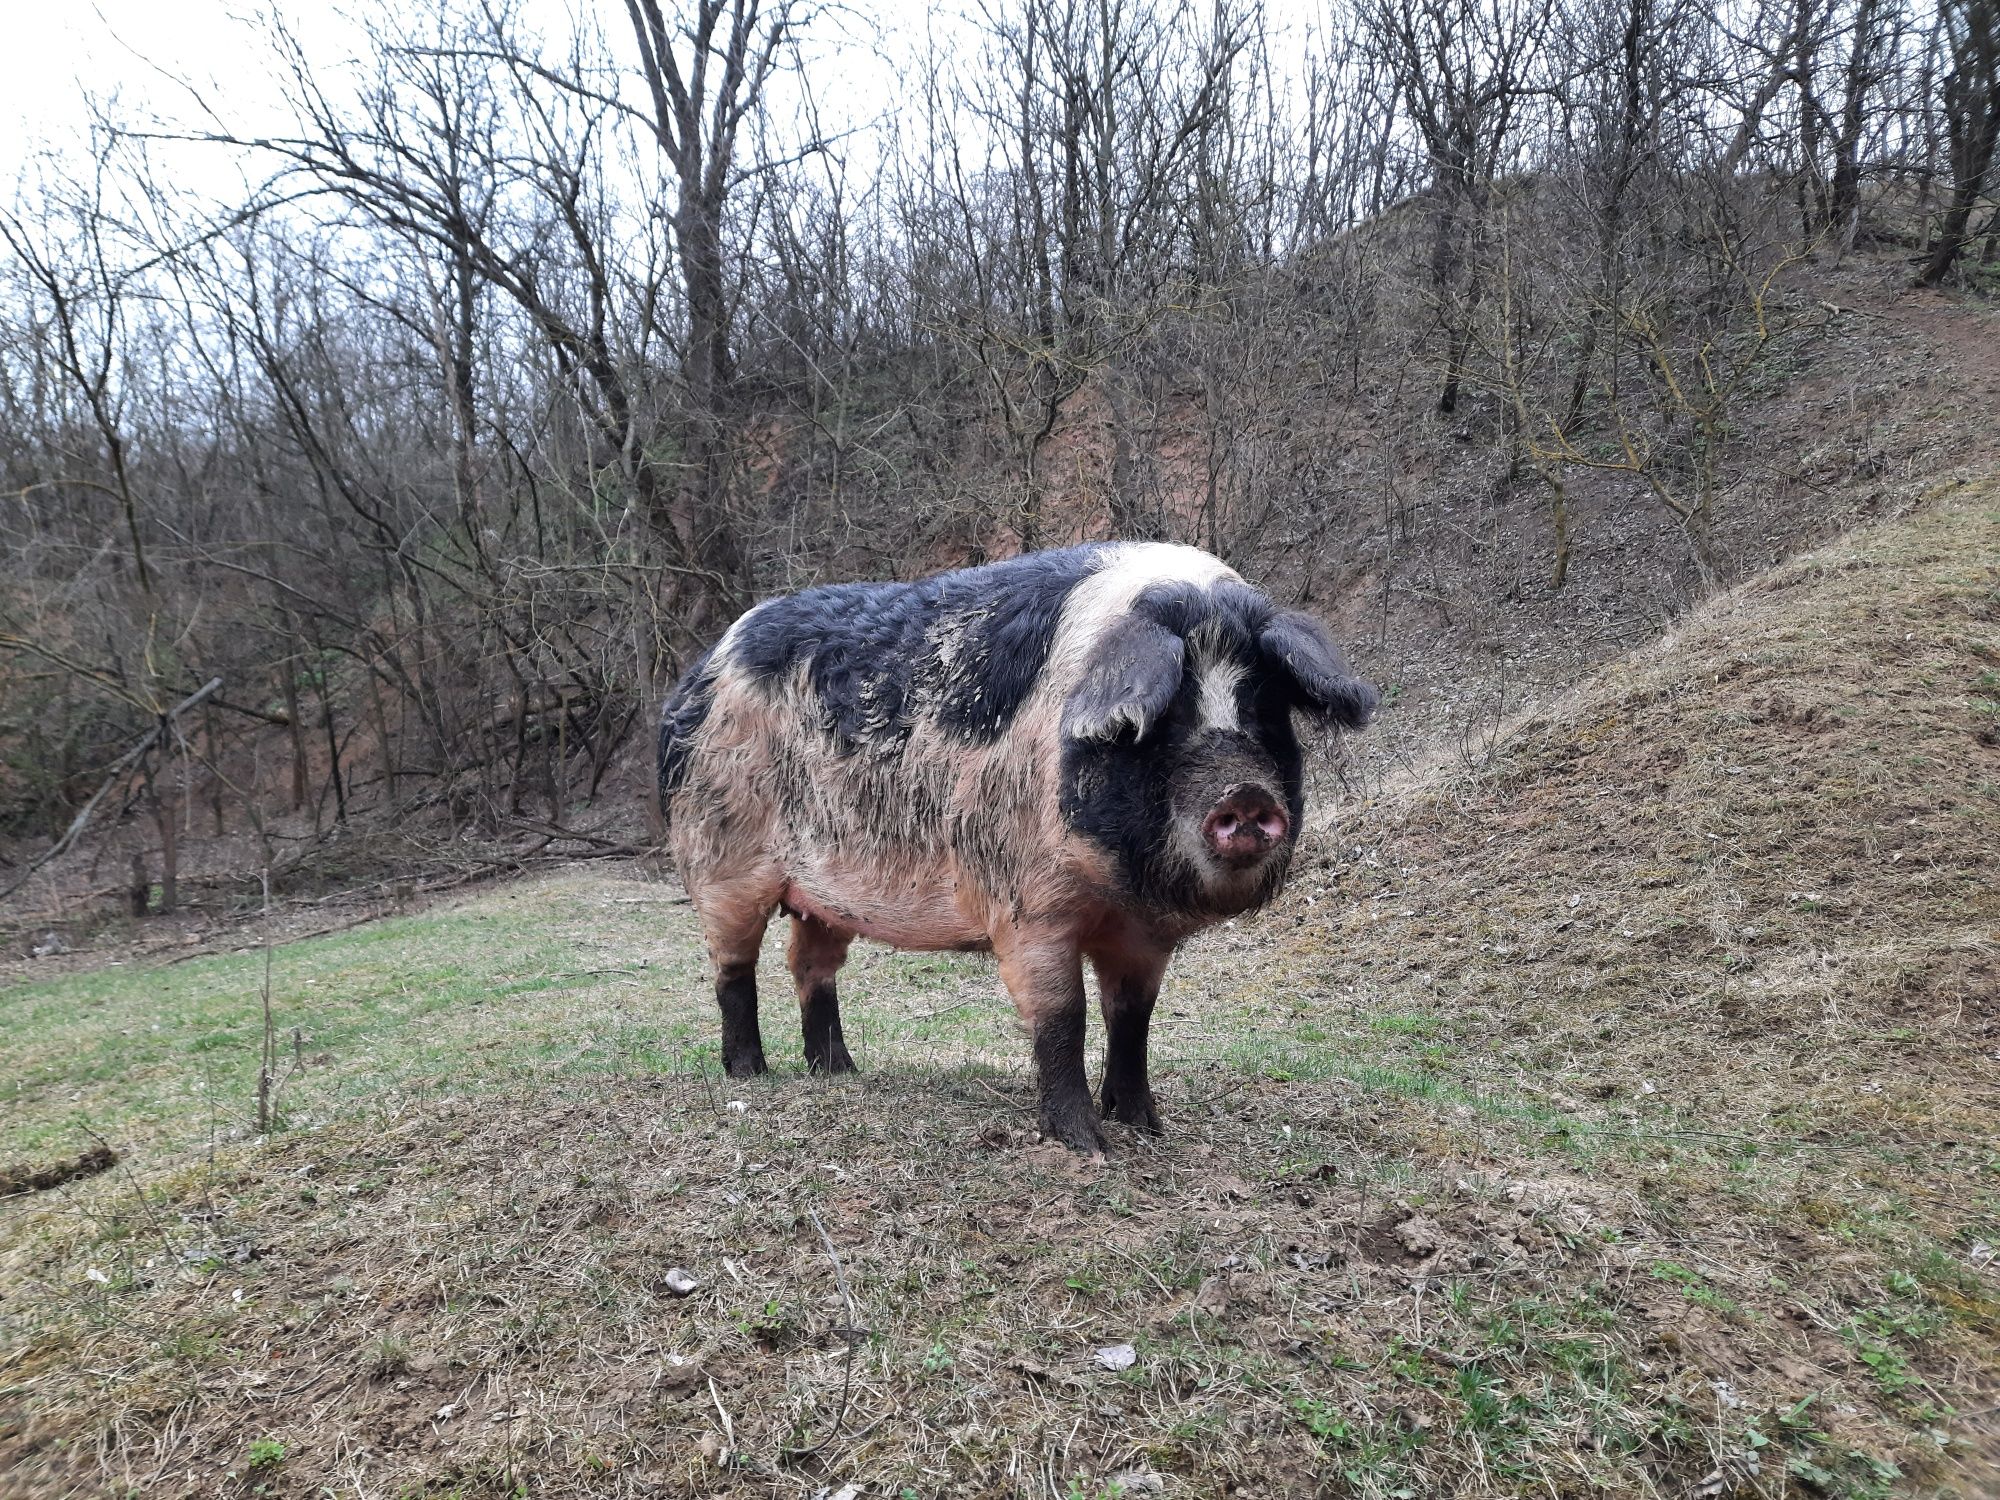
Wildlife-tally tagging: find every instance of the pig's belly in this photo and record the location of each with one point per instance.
(923, 916)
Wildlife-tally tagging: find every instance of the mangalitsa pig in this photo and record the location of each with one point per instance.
(1076, 755)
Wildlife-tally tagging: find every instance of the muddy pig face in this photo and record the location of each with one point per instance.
(1179, 754)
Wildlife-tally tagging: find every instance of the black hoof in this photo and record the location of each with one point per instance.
(1136, 1109)
(1075, 1126)
(745, 1065)
(837, 1062)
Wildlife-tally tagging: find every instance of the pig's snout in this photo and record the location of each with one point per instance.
(1245, 825)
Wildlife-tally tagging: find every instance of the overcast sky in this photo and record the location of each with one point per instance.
(56, 51)
(60, 52)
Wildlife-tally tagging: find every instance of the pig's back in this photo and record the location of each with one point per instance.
(961, 650)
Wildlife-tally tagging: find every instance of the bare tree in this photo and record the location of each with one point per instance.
(1969, 102)
(1463, 69)
(700, 103)
(1871, 54)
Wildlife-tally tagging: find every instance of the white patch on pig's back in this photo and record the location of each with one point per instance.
(725, 649)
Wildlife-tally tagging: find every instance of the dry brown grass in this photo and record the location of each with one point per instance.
(1616, 1120)
(1756, 866)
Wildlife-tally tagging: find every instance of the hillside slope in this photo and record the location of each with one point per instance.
(1614, 1117)
(1776, 829)
(1741, 891)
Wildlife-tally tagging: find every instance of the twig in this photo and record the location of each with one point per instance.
(264, 1072)
(604, 847)
(854, 1333)
(1772, 1142)
(1010, 1103)
(1234, 1088)
(297, 937)
(270, 1086)
(728, 1427)
(707, 1088)
(932, 1015)
(1142, 1266)
(145, 1208)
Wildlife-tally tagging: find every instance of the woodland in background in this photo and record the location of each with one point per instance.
(402, 488)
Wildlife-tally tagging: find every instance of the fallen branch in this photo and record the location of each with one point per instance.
(290, 938)
(944, 1010)
(283, 721)
(603, 846)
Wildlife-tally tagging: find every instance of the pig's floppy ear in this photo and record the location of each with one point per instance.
(1132, 675)
(1298, 645)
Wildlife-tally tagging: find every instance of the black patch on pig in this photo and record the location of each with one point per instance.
(993, 636)
(1120, 793)
(1116, 794)
(966, 646)
(680, 720)
(1066, 1109)
(1132, 676)
(1298, 648)
(1127, 1094)
(1233, 611)
(856, 642)
(742, 1040)
(819, 1019)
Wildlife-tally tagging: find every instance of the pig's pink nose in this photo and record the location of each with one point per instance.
(1245, 825)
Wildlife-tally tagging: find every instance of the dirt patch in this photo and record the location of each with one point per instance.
(22, 1177)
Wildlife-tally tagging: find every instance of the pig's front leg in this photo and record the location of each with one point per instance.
(1045, 977)
(1128, 984)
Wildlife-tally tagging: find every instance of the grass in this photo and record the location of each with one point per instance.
(1618, 1120)
(472, 999)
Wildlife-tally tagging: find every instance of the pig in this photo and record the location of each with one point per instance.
(1078, 755)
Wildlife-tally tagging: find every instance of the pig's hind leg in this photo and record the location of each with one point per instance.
(1128, 985)
(816, 953)
(733, 916)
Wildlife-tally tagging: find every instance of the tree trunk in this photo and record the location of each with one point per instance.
(1952, 233)
(213, 734)
(1844, 206)
(170, 858)
(288, 681)
(1972, 107)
